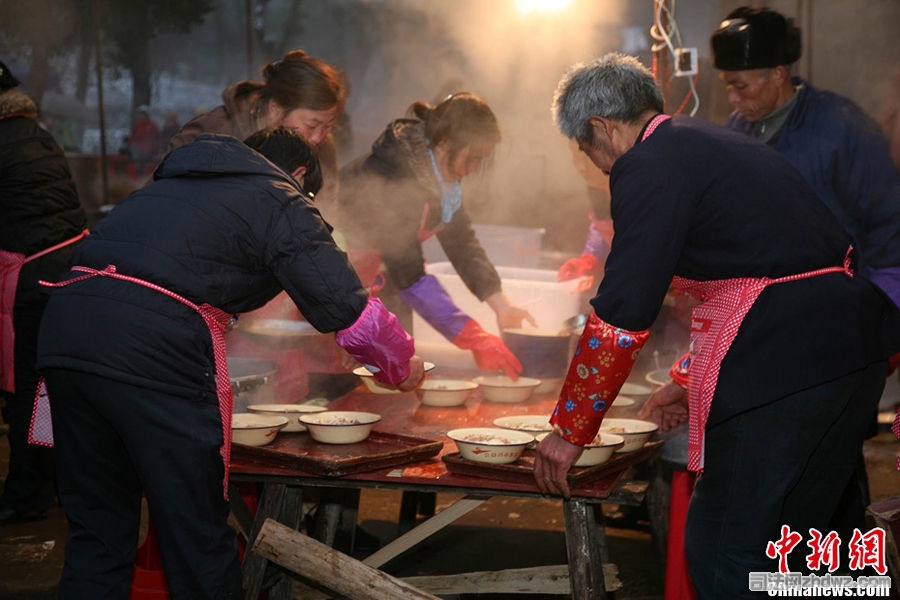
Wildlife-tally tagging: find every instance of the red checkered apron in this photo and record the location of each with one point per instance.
(10, 266)
(714, 324)
(217, 320)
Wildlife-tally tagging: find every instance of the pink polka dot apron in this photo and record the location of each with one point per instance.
(714, 324)
(217, 320)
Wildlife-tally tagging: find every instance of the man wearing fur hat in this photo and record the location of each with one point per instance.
(42, 219)
(838, 148)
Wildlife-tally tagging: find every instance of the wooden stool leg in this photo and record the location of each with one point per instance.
(253, 568)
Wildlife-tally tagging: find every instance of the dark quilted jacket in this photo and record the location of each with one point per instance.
(38, 201)
(220, 225)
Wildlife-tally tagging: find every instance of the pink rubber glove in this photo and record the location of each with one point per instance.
(490, 352)
(586, 264)
(378, 339)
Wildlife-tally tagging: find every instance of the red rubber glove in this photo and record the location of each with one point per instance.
(586, 264)
(490, 352)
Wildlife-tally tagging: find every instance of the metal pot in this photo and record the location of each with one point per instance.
(252, 381)
(544, 353)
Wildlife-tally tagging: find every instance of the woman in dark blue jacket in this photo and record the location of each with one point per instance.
(140, 400)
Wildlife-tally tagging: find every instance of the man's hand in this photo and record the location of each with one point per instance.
(667, 407)
(552, 461)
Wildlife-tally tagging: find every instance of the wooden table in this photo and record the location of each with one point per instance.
(401, 413)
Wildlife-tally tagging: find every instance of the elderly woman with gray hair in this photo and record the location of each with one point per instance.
(788, 347)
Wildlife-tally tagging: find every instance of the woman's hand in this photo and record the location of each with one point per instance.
(416, 374)
(509, 316)
(667, 406)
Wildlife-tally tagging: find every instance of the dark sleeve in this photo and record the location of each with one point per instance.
(39, 204)
(315, 273)
(468, 257)
(867, 181)
(652, 212)
(394, 218)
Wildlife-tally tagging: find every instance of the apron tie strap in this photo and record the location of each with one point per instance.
(217, 321)
(714, 326)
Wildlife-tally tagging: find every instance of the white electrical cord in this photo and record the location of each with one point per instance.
(663, 37)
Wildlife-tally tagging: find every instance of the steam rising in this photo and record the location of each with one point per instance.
(512, 59)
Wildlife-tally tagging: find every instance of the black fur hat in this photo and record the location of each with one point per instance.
(751, 38)
(7, 81)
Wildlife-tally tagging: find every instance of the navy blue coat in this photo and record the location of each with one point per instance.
(219, 224)
(844, 156)
(705, 203)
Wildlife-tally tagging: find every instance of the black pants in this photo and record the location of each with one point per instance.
(115, 441)
(786, 463)
(30, 482)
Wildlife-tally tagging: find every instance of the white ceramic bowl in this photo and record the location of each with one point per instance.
(500, 388)
(635, 432)
(281, 333)
(252, 429)
(598, 451)
(550, 386)
(445, 392)
(339, 426)
(375, 386)
(532, 424)
(622, 402)
(489, 444)
(658, 377)
(635, 389)
(291, 411)
(622, 406)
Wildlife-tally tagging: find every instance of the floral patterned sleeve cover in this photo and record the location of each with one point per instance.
(602, 363)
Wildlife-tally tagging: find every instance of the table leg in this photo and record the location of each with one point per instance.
(413, 504)
(253, 569)
(586, 547)
(242, 513)
(335, 520)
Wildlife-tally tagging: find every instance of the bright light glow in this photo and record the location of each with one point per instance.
(528, 6)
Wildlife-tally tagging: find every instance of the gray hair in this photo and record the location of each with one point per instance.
(614, 86)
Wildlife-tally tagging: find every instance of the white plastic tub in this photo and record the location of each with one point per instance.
(504, 245)
(550, 302)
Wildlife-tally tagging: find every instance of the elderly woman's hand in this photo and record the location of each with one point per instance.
(667, 406)
(552, 461)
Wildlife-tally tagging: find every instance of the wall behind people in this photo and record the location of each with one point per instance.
(399, 51)
(846, 50)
